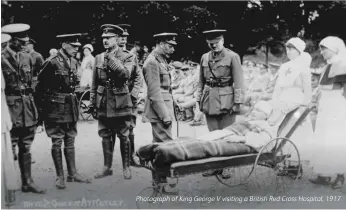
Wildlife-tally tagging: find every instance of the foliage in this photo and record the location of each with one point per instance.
(250, 24)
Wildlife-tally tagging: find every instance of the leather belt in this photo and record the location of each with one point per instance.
(19, 92)
(217, 84)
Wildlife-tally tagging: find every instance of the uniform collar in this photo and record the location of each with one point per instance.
(63, 54)
(32, 51)
(159, 53)
(115, 50)
(218, 56)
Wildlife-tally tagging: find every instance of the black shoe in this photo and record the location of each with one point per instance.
(60, 183)
(105, 172)
(339, 182)
(31, 187)
(78, 178)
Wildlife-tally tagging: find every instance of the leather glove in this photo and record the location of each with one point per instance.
(167, 123)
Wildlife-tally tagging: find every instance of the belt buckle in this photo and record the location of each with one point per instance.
(107, 84)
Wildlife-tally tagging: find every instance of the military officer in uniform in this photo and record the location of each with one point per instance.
(220, 89)
(37, 58)
(58, 106)
(123, 37)
(158, 108)
(135, 85)
(17, 70)
(111, 98)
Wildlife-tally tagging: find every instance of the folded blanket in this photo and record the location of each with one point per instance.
(167, 153)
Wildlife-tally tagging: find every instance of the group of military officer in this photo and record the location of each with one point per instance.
(113, 97)
(114, 91)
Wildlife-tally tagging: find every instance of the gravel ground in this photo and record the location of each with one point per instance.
(195, 190)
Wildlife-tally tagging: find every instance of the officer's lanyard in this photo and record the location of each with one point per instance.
(68, 62)
(163, 63)
(210, 69)
(20, 80)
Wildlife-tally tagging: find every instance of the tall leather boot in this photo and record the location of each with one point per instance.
(107, 147)
(73, 176)
(134, 161)
(57, 159)
(28, 184)
(125, 150)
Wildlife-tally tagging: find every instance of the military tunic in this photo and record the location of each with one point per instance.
(159, 101)
(17, 71)
(217, 96)
(110, 93)
(56, 98)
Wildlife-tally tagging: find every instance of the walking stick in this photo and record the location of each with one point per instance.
(176, 116)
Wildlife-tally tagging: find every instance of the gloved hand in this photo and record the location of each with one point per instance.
(167, 123)
(91, 110)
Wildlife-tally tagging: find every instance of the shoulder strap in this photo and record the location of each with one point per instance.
(8, 63)
(13, 69)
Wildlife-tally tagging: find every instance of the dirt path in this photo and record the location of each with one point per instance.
(115, 192)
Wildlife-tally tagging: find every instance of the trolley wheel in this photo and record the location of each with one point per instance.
(147, 198)
(235, 175)
(277, 166)
(83, 105)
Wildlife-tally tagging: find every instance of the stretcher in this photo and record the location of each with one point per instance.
(277, 155)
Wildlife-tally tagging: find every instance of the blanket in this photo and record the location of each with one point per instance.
(239, 138)
(165, 153)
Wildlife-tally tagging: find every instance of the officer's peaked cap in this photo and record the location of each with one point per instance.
(214, 34)
(5, 38)
(18, 30)
(170, 38)
(72, 39)
(110, 30)
(125, 27)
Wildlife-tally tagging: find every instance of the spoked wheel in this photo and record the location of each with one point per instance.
(83, 105)
(235, 176)
(147, 198)
(277, 166)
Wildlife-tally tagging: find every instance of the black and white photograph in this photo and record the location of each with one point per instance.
(173, 104)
